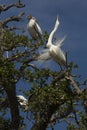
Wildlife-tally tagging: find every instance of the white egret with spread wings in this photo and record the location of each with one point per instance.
(54, 51)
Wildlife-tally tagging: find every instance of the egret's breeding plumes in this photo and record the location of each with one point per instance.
(54, 51)
(34, 28)
(23, 102)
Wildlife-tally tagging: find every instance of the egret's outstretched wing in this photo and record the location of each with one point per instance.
(60, 42)
(44, 56)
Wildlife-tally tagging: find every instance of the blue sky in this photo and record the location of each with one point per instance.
(73, 23)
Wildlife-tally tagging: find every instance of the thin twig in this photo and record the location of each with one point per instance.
(76, 119)
(33, 66)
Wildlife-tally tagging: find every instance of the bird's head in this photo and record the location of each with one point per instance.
(30, 17)
(21, 98)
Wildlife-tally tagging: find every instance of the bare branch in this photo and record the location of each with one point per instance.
(65, 74)
(12, 18)
(33, 66)
(74, 84)
(4, 7)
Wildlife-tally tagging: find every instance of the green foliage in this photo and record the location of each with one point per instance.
(48, 93)
(4, 124)
(13, 40)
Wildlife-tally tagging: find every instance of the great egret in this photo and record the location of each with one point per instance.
(23, 102)
(34, 28)
(54, 51)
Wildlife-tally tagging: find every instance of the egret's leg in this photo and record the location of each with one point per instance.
(66, 60)
(60, 67)
(7, 54)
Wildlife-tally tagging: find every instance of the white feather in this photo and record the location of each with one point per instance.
(60, 42)
(44, 56)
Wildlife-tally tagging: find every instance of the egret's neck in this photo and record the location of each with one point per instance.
(49, 43)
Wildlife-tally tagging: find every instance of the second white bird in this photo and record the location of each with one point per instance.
(34, 28)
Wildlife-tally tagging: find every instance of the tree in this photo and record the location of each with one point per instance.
(52, 97)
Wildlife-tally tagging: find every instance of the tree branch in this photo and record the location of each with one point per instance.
(4, 7)
(65, 74)
(12, 18)
(60, 114)
(23, 66)
(15, 28)
(60, 76)
(42, 125)
(21, 55)
(73, 83)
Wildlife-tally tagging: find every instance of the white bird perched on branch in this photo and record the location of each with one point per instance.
(34, 28)
(54, 51)
(23, 102)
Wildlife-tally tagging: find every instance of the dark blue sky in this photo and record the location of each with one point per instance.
(73, 23)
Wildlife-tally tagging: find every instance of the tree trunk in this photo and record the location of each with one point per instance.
(39, 126)
(15, 117)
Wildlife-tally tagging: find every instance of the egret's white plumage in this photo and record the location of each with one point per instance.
(34, 28)
(54, 51)
(23, 102)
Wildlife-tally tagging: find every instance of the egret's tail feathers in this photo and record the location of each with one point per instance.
(59, 43)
